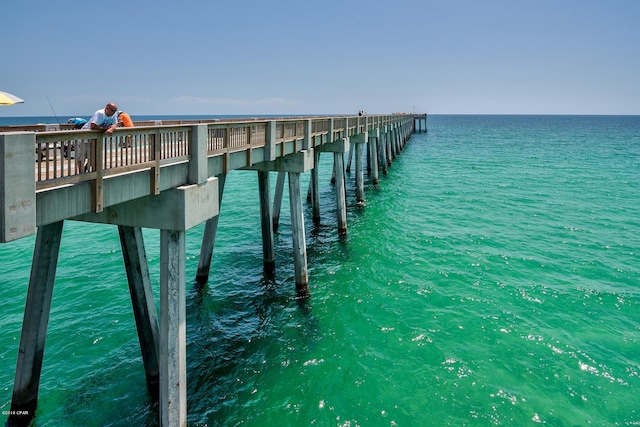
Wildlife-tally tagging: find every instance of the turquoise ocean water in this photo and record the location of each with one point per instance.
(492, 279)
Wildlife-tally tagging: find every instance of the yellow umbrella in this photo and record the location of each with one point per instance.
(8, 99)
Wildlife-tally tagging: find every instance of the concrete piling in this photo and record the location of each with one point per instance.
(298, 236)
(341, 198)
(277, 200)
(173, 335)
(143, 304)
(24, 400)
(315, 188)
(359, 141)
(209, 238)
(268, 250)
(373, 155)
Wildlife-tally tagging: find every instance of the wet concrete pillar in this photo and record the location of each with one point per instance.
(359, 141)
(359, 176)
(341, 198)
(268, 249)
(389, 144)
(373, 155)
(294, 165)
(173, 337)
(298, 236)
(382, 148)
(142, 301)
(209, 238)
(315, 188)
(24, 399)
(349, 157)
(277, 200)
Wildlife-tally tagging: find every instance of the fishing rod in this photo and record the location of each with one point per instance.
(54, 111)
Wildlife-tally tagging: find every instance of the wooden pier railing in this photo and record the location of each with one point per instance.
(130, 149)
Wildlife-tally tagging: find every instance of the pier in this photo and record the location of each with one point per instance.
(170, 176)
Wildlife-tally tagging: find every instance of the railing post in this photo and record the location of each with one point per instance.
(249, 150)
(226, 141)
(96, 184)
(198, 149)
(155, 170)
(306, 144)
(270, 142)
(330, 137)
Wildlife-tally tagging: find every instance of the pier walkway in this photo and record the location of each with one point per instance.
(170, 176)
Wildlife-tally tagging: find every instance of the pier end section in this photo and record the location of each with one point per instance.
(17, 185)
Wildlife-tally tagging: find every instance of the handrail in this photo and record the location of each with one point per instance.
(129, 149)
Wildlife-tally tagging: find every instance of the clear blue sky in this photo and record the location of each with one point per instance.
(321, 57)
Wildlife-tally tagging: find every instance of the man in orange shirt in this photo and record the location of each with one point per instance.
(124, 120)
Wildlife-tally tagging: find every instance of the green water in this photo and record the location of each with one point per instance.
(492, 279)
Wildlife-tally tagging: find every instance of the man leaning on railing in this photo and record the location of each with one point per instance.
(104, 120)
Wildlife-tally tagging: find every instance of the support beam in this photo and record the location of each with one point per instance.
(298, 235)
(24, 400)
(209, 238)
(277, 200)
(339, 148)
(333, 176)
(295, 164)
(359, 140)
(394, 142)
(299, 162)
(315, 188)
(382, 148)
(268, 249)
(373, 155)
(389, 138)
(359, 176)
(341, 198)
(173, 342)
(143, 303)
(350, 156)
(173, 212)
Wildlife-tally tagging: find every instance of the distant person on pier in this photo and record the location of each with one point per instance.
(104, 120)
(78, 122)
(124, 120)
